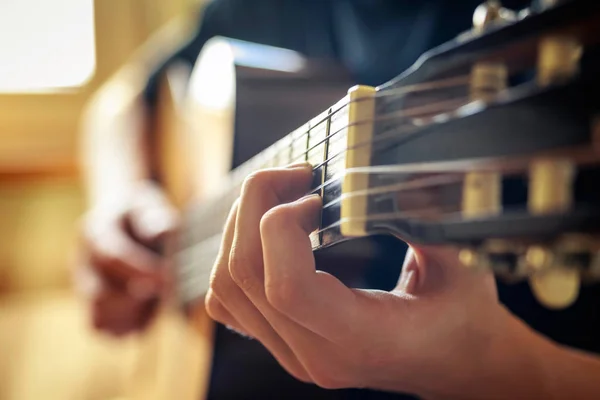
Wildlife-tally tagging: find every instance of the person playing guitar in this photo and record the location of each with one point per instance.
(441, 333)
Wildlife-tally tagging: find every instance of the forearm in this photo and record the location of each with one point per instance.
(572, 374)
(114, 151)
(521, 364)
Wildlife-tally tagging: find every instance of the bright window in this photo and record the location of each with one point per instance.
(46, 44)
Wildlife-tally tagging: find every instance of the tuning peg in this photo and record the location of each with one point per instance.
(558, 58)
(556, 287)
(550, 185)
(556, 271)
(489, 13)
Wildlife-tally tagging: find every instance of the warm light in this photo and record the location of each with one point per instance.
(46, 45)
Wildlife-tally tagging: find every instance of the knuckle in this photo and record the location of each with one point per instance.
(214, 308)
(218, 286)
(328, 380)
(256, 181)
(276, 219)
(241, 272)
(332, 371)
(282, 295)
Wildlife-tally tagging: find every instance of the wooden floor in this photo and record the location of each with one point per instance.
(48, 351)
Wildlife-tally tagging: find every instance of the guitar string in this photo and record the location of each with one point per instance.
(240, 173)
(379, 140)
(422, 183)
(457, 82)
(403, 114)
(439, 107)
(212, 246)
(416, 184)
(450, 172)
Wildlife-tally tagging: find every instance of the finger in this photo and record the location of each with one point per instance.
(123, 262)
(117, 313)
(262, 192)
(151, 216)
(250, 320)
(430, 269)
(316, 300)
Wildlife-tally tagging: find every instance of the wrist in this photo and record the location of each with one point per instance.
(504, 360)
(519, 363)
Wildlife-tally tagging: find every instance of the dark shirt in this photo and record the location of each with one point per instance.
(375, 40)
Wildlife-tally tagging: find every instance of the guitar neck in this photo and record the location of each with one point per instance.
(315, 142)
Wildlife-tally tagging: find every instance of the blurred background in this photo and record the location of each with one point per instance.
(53, 56)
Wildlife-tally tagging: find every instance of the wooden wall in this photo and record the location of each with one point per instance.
(40, 194)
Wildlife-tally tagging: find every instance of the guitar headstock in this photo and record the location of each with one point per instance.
(490, 142)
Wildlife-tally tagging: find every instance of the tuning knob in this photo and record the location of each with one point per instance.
(554, 282)
(556, 287)
(489, 13)
(557, 270)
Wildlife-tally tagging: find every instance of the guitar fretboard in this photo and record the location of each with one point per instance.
(318, 142)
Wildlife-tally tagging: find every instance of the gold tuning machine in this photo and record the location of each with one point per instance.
(555, 276)
(554, 282)
(556, 271)
(558, 59)
(482, 190)
(491, 12)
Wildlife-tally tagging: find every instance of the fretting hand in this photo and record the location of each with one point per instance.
(441, 333)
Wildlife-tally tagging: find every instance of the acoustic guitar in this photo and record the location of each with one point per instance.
(489, 142)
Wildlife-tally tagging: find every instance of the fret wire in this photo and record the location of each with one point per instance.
(324, 171)
(307, 143)
(325, 151)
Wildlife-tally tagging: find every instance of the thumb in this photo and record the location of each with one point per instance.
(152, 217)
(432, 269)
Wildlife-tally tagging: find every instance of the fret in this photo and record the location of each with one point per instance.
(317, 155)
(336, 148)
(335, 160)
(299, 144)
(316, 140)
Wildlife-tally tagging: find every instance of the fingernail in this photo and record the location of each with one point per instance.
(300, 165)
(311, 197)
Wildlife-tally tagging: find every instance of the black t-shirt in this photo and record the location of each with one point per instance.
(375, 40)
